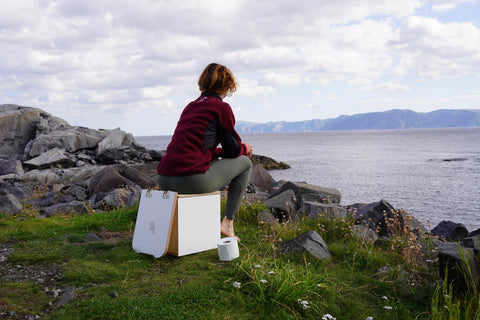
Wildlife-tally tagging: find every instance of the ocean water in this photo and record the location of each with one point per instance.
(433, 174)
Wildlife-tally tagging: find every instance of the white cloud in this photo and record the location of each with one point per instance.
(117, 56)
(434, 49)
(389, 86)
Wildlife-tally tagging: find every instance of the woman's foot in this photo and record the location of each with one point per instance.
(226, 228)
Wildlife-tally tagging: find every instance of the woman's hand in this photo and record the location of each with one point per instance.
(249, 150)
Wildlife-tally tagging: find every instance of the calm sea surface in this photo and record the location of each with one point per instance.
(434, 174)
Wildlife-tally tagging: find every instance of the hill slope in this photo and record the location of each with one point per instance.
(392, 119)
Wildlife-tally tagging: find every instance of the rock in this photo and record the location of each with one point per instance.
(114, 294)
(157, 155)
(313, 210)
(474, 233)
(268, 163)
(450, 231)
(67, 295)
(20, 192)
(456, 261)
(261, 179)
(381, 217)
(107, 180)
(70, 140)
(75, 207)
(311, 242)
(364, 233)
(115, 138)
(19, 125)
(117, 198)
(137, 177)
(92, 236)
(283, 205)
(48, 199)
(10, 166)
(123, 154)
(53, 157)
(472, 242)
(266, 217)
(308, 192)
(9, 203)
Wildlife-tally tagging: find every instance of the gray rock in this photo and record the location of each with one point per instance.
(266, 217)
(115, 138)
(70, 140)
(283, 206)
(313, 210)
(107, 180)
(379, 216)
(137, 177)
(311, 242)
(472, 242)
(67, 295)
(455, 263)
(75, 207)
(92, 236)
(20, 192)
(10, 166)
(9, 203)
(308, 192)
(53, 157)
(261, 179)
(450, 231)
(19, 125)
(364, 233)
(123, 154)
(117, 198)
(157, 155)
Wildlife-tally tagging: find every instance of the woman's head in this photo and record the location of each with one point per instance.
(217, 79)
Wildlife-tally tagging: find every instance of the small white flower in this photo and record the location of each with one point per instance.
(369, 318)
(237, 285)
(304, 303)
(319, 285)
(388, 308)
(385, 298)
(271, 272)
(328, 317)
(257, 266)
(263, 281)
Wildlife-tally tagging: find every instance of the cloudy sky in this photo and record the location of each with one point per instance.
(135, 64)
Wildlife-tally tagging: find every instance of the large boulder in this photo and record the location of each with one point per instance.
(450, 231)
(283, 205)
(457, 264)
(313, 210)
(53, 157)
(119, 176)
(261, 179)
(74, 207)
(70, 140)
(309, 192)
(115, 138)
(380, 216)
(9, 203)
(19, 125)
(10, 166)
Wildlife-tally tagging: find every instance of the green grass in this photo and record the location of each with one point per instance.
(273, 285)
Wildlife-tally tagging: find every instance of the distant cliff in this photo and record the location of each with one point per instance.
(392, 119)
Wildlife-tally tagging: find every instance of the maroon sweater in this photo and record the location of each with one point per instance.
(203, 125)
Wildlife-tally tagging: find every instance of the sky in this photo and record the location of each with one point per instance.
(134, 65)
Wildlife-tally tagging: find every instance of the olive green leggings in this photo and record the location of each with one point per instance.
(234, 170)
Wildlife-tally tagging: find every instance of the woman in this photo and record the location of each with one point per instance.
(194, 163)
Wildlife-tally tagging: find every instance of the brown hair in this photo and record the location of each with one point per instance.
(217, 79)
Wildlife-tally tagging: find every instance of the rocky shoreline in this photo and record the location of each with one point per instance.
(50, 167)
